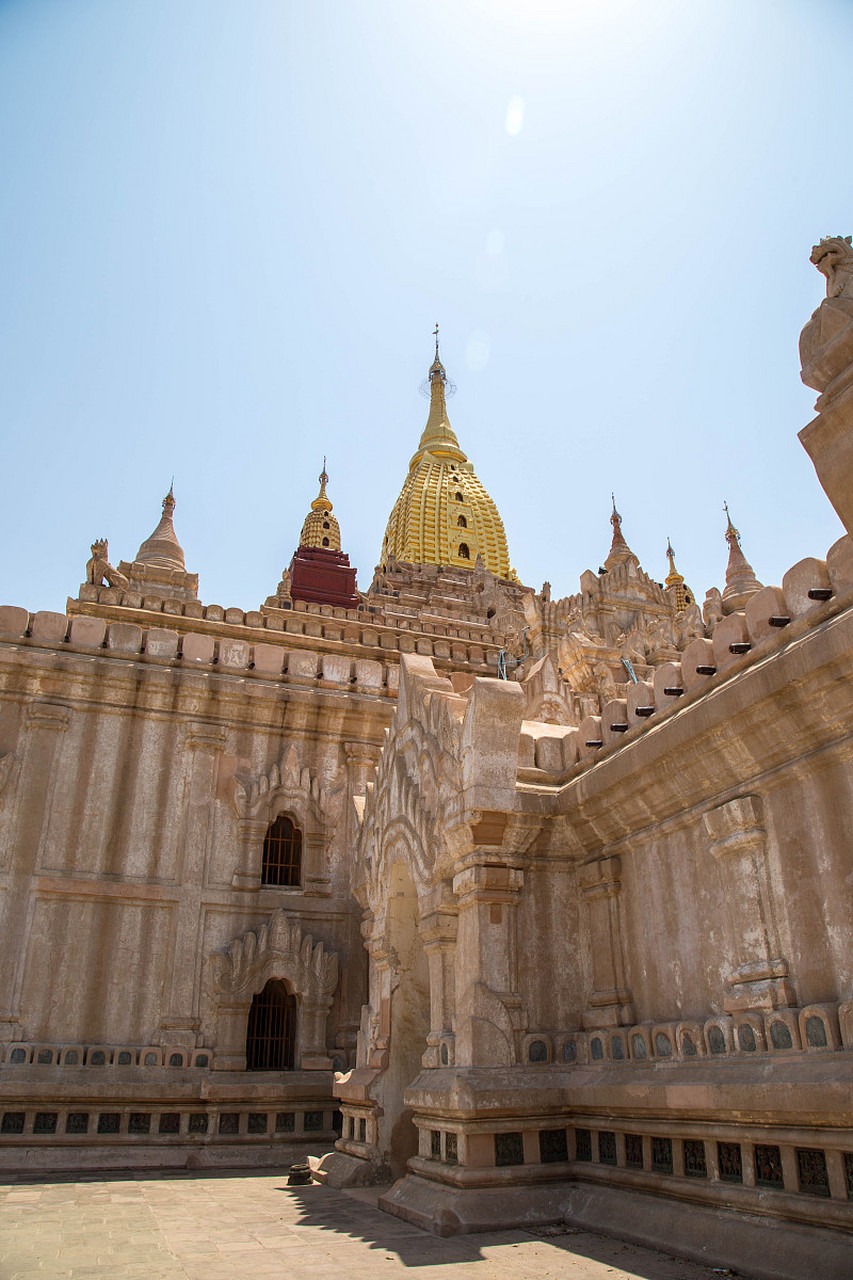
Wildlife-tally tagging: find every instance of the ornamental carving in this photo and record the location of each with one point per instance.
(279, 949)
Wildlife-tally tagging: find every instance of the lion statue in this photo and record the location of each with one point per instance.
(99, 567)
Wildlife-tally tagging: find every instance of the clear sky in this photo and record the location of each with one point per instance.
(228, 228)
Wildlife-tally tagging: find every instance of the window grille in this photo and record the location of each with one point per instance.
(282, 863)
(729, 1157)
(606, 1147)
(768, 1167)
(553, 1146)
(271, 1031)
(509, 1148)
(811, 1166)
(695, 1165)
(633, 1150)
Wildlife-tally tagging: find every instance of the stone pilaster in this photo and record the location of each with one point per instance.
(438, 930)
(180, 1023)
(250, 836)
(759, 977)
(45, 724)
(489, 1014)
(609, 1003)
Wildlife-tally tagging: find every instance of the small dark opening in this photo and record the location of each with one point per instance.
(271, 1030)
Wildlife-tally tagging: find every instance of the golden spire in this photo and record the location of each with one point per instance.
(680, 594)
(741, 582)
(620, 552)
(321, 502)
(321, 529)
(443, 514)
(438, 435)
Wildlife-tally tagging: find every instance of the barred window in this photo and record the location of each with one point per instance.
(282, 853)
(271, 1030)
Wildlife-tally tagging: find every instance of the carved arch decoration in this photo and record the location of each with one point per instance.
(280, 950)
(286, 788)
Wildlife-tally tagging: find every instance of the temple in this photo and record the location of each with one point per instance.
(529, 910)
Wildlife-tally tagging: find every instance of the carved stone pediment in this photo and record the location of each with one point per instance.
(278, 949)
(257, 797)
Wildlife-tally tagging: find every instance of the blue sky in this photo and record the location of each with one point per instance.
(228, 229)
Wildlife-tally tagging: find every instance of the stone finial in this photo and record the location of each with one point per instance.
(741, 582)
(162, 549)
(620, 552)
(833, 257)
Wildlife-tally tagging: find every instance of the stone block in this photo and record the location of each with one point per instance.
(809, 575)
(589, 737)
(193, 609)
(173, 606)
(731, 631)
(570, 748)
(695, 661)
(368, 676)
(268, 659)
(668, 676)
(526, 751)
(233, 654)
(839, 565)
(196, 648)
(124, 637)
(13, 621)
(214, 613)
(161, 643)
(393, 678)
(235, 617)
(767, 603)
(88, 633)
(302, 667)
(49, 626)
(336, 670)
(549, 753)
(641, 696)
(254, 618)
(614, 716)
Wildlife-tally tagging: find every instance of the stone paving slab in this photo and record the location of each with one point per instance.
(227, 1225)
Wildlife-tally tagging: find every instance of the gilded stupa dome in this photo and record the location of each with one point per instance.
(443, 514)
(321, 529)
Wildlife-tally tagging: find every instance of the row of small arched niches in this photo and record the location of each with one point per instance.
(83, 1056)
(780, 1032)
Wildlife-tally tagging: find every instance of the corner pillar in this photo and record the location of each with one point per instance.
(489, 1015)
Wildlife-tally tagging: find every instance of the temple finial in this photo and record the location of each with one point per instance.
(741, 582)
(676, 589)
(162, 549)
(620, 552)
(435, 335)
(321, 502)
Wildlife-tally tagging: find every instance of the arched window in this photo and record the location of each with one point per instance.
(464, 553)
(462, 522)
(325, 542)
(282, 853)
(271, 1031)
(459, 497)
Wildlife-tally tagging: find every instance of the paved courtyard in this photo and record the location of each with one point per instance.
(234, 1226)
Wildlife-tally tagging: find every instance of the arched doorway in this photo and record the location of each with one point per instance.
(410, 1014)
(271, 1029)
